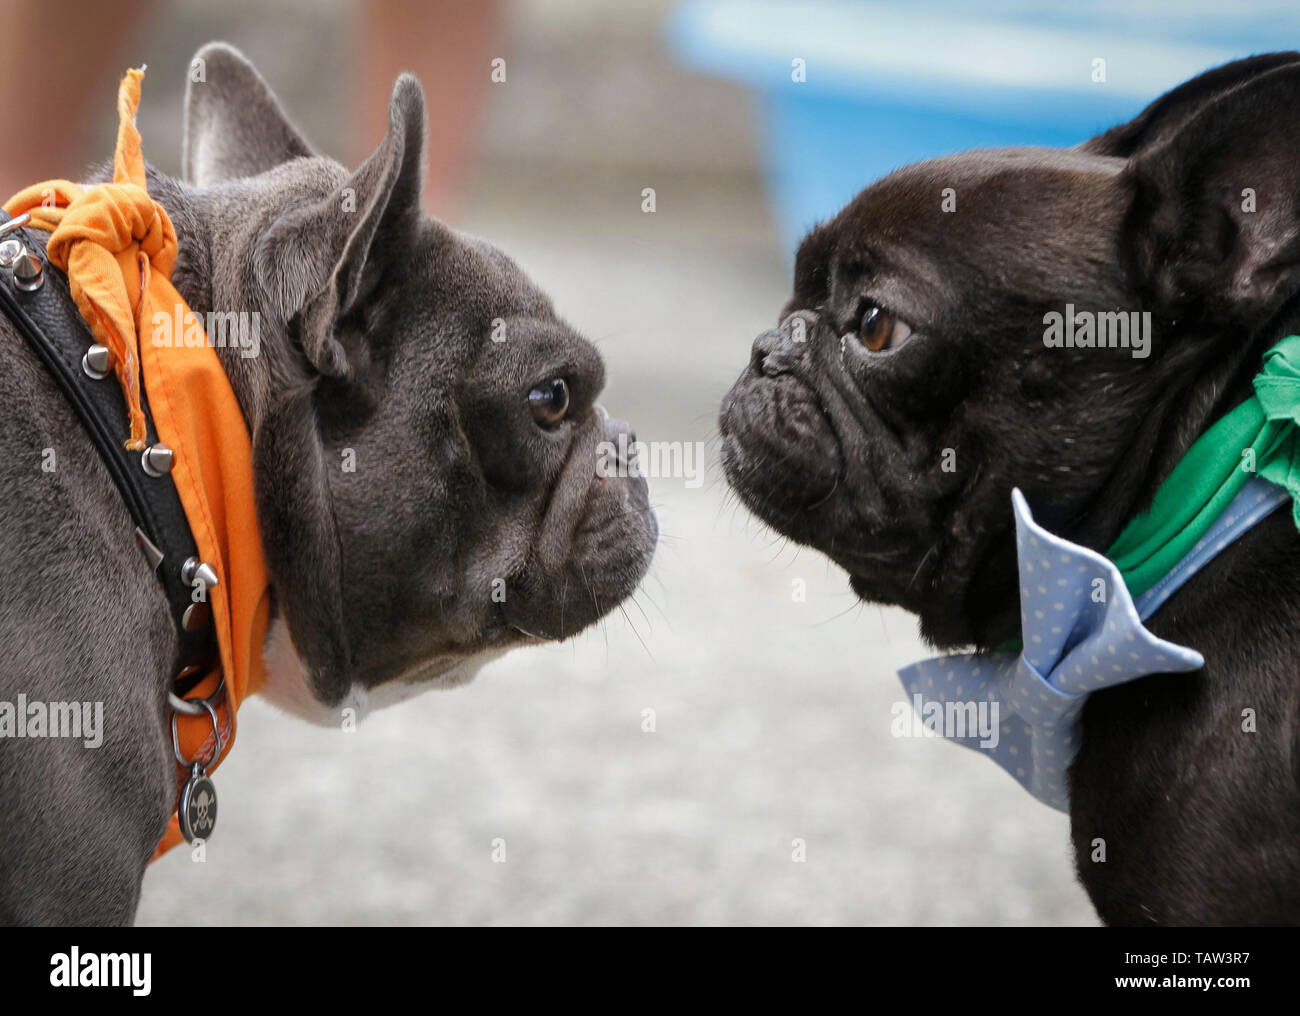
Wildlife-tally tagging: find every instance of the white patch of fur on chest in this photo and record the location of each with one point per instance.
(288, 689)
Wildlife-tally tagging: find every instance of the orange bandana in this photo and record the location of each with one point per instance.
(118, 247)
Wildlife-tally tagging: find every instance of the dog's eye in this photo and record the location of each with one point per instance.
(880, 329)
(549, 402)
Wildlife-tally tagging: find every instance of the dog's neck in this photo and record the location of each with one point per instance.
(1219, 380)
(1209, 384)
(216, 230)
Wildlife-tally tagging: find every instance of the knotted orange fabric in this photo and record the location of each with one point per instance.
(118, 247)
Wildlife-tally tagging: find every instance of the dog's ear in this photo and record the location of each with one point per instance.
(1213, 230)
(1171, 110)
(322, 261)
(234, 125)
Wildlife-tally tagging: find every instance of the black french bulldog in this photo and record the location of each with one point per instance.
(915, 340)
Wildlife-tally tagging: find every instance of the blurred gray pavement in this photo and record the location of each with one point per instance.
(772, 717)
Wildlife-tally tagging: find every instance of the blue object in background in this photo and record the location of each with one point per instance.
(889, 84)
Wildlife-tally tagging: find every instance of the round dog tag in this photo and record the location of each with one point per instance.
(197, 811)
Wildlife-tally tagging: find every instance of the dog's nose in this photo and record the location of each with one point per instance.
(616, 428)
(773, 353)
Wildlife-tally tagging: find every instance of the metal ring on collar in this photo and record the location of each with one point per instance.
(216, 730)
(194, 707)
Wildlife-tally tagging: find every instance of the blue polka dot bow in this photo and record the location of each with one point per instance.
(1081, 632)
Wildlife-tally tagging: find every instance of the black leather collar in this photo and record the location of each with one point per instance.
(50, 322)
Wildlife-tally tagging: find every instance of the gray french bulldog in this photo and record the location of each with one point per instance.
(475, 460)
(909, 387)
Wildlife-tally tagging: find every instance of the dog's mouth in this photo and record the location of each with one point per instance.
(786, 454)
(780, 451)
(544, 573)
(593, 547)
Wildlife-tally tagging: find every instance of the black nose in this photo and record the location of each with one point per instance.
(773, 353)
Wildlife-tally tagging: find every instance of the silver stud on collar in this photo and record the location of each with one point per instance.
(193, 569)
(157, 459)
(10, 251)
(196, 617)
(29, 272)
(17, 222)
(97, 362)
(151, 552)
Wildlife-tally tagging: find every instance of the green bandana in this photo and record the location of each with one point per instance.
(1258, 437)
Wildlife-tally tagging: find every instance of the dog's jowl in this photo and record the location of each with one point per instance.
(1046, 400)
(422, 439)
